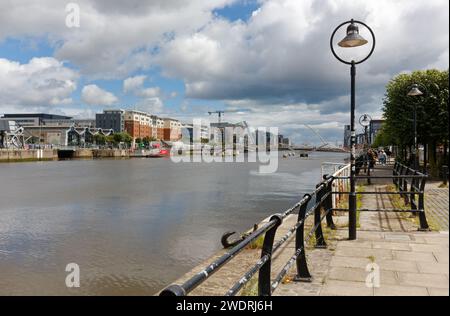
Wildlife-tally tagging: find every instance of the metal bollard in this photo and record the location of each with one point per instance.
(445, 174)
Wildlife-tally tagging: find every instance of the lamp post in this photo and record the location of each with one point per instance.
(414, 91)
(353, 39)
(364, 121)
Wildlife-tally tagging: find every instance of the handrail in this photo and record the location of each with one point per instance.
(322, 207)
(401, 174)
(322, 195)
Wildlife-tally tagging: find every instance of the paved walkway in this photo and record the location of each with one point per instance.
(436, 204)
(407, 262)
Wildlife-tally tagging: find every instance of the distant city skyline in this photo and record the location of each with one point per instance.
(266, 61)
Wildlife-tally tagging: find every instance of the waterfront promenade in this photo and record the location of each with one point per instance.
(409, 262)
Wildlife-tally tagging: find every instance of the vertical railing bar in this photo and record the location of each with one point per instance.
(422, 217)
(303, 274)
(320, 240)
(264, 283)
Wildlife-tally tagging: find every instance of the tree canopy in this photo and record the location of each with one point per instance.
(432, 108)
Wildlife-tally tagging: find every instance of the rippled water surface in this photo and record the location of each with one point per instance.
(132, 226)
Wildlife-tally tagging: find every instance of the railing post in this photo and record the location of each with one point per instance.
(413, 190)
(303, 274)
(320, 240)
(422, 218)
(445, 174)
(329, 202)
(395, 173)
(401, 180)
(173, 290)
(405, 186)
(264, 284)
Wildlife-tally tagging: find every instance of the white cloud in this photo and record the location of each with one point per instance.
(153, 105)
(283, 50)
(115, 37)
(93, 95)
(150, 92)
(133, 83)
(41, 82)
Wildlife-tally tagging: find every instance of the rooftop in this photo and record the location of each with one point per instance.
(38, 115)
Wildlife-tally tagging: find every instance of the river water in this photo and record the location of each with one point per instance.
(133, 226)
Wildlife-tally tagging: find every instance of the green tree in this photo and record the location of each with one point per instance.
(100, 139)
(432, 111)
(147, 140)
(383, 139)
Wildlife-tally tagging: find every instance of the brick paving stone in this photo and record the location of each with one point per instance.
(399, 266)
(345, 288)
(377, 254)
(349, 262)
(438, 292)
(423, 279)
(441, 257)
(415, 256)
(438, 268)
(391, 245)
(398, 290)
(360, 275)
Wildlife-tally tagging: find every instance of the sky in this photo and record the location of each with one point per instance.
(267, 62)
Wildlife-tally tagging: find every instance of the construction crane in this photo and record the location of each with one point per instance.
(219, 113)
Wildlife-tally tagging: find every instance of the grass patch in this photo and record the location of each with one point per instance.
(399, 203)
(257, 243)
(328, 234)
(251, 288)
(359, 188)
(343, 204)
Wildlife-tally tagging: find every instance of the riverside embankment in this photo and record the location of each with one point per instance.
(27, 155)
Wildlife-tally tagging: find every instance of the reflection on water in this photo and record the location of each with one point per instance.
(132, 226)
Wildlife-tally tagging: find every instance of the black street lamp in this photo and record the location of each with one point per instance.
(414, 91)
(353, 39)
(364, 121)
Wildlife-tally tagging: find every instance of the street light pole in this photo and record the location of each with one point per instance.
(416, 147)
(352, 218)
(365, 120)
(352, 39)
(415, 91)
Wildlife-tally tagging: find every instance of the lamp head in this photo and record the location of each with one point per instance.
(415, 91)
(353, 39)
(365, 120)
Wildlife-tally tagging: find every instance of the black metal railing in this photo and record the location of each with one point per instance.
(403, 178)
(320, 204)
(321, 200)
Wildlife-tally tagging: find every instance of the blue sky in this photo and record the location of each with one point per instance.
(266, 61)
(22, 49)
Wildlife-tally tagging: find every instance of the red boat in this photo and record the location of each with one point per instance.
(159, 153)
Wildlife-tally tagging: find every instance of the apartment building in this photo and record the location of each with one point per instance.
(138, 124)
(111, 119)
(157, 127)
(172, 129)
